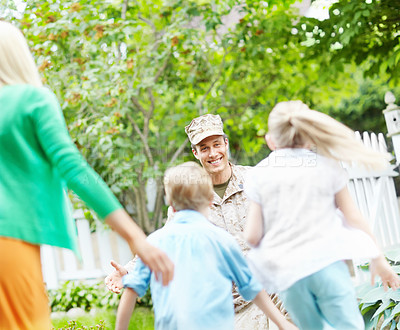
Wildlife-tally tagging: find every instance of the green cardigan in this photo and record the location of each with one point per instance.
(38, 161)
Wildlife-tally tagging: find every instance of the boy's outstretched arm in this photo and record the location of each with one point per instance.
(125, 309)
(264, 302)
(253, 231)
(156, 259)
(354, 218)
(114, 280)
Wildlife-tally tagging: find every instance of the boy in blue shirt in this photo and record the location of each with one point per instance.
(207, 260)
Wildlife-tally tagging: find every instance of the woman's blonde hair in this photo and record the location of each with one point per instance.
(16, 62)
(188, 186)
(293, 124)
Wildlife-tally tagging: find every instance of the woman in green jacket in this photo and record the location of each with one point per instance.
(38, 162)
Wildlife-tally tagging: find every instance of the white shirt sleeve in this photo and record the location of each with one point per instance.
(339, 177)
(250, 186)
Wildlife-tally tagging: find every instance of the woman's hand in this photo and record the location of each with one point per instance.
(379, 266)
(159, 263)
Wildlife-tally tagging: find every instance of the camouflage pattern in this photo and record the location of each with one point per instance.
(230, 214)
(203, 127)
(230, 211)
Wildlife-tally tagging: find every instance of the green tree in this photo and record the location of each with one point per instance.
(130, 75)
(362, 111)
(366, 33)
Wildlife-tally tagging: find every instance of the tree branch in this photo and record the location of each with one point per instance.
(124, 9)
(178, 152)
(144, 140)
(135, 101)
(157, 217)
(221, 67)
(163, 67)
(148, 114)
(148, 23)
(152, 101)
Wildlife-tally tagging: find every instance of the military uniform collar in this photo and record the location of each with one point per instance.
(235, 185)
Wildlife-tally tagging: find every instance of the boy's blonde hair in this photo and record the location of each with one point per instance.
(292, 124)
(188, 186)
(16, 62)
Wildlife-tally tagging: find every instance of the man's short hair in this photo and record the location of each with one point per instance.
(188, 186)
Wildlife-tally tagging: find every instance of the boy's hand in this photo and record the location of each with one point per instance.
(155, 259)
(114, 280)
(379, 266)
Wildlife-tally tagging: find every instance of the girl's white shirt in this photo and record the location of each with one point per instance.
(303, 229)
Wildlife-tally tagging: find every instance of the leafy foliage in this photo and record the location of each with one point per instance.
(81, 295)
(362, 111)
(87, 296)
(380, 307)
(364, 32)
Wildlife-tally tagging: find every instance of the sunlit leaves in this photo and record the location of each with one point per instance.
(366, 32)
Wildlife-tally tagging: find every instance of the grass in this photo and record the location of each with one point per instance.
(142, 319)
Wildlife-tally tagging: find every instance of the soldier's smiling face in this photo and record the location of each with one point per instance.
(212, 152)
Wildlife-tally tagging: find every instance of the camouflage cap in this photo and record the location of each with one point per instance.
(203, 127)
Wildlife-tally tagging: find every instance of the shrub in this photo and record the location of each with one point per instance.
(380, 308)
(78, 294)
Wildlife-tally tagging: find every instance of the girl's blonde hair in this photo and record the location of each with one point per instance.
(188, 186)
(16, 62)
(292, 124)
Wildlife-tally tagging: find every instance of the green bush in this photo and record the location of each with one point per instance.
(381, 308)
(77, 294)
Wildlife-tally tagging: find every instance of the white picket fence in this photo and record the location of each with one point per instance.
(373, 192)
(375, 196)
(97, 250)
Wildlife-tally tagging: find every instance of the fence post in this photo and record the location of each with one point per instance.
(49, 266)
(392, 118)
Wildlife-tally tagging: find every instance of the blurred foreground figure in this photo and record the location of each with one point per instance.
(303, 223)
(38, 162)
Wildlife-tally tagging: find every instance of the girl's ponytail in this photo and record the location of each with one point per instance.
(292, 124)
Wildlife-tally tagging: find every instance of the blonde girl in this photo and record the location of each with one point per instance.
(302, 222)
(38, 162)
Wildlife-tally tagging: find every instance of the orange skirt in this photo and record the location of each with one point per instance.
(23, 298)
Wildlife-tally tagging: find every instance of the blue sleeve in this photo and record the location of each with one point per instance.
(246, 283)
(138, 279)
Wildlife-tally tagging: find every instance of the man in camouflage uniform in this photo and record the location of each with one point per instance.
(228, 209)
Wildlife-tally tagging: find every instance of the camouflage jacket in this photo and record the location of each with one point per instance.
(230, 214)
(230, 211)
